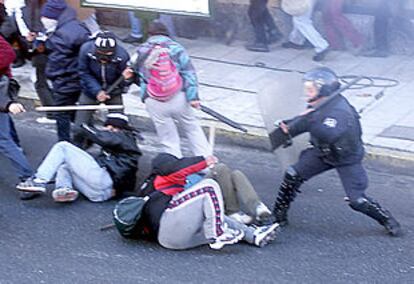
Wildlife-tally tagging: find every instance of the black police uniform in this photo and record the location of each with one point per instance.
(336, 143)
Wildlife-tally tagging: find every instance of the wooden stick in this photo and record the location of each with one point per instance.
(79, 107)
(212, 136)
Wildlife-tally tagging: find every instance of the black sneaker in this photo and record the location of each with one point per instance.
(319, 56)
(290, 44)
(257, 47)
(133, 40)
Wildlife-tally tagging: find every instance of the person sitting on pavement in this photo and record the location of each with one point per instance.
(303, 28)
(182, 218)
(101, 62)
(241, 201)
(170, 93)
(108, 175)
(9, 142)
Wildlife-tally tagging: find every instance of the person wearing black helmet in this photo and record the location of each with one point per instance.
(335, 138)
(101, 63)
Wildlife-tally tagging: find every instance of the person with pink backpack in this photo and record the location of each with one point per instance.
(169, 89)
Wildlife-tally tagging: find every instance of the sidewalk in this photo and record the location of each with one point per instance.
(230, 87)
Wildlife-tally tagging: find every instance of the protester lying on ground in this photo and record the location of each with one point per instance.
(100, 178)
(9, 141)
(65, 36)
(101, 62)
(241, 201)
(169, 89)
(181, 218)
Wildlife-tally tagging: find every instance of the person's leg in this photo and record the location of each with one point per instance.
(355, 181)
(256, 12)
(222, 175)
(13, 132)
(42, 88)
(342, 24)
(187, 119)
(115, 100)
(10, 150)
(309, 165)
(304, 25)
(135, 23)
(92, 24)
(381, 24)
(63, 118)
(81, 117)
(246, 193)
(272, 30)
(329, 13)
(193, 218)
(165, 127)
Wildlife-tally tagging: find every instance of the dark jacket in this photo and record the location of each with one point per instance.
(7, 57)
(63, 46)
(95, 76)
(119, 155)
(167, 178)
(335, 130)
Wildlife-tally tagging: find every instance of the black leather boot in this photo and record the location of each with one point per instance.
(287, 193)
(382, 216)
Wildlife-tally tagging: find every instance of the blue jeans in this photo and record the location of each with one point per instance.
(135, 23)
(75, 168)
(11, 150)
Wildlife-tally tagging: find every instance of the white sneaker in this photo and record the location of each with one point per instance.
(65, 194)
(45, 120)
(242, 217)
(262, 212)
(229, 237)
(265, 234)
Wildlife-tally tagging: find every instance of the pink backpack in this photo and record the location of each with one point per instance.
(164, 80)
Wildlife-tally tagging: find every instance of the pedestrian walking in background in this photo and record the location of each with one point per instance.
(265, 29)
(303, 28)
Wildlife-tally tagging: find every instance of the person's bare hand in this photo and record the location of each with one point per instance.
(102, 96)
(16, 108)
(31, 36)
(195, 104)
(128, 73)
(284, 127)
(211, 160)
(309, 110)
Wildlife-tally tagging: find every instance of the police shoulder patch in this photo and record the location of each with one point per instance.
(330, 122)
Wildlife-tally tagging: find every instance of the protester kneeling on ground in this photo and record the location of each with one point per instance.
(99, 178)
(180, 218)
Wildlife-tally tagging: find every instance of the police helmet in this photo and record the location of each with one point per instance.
(325, 80)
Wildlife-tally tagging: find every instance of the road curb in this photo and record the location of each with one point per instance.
(257, 139)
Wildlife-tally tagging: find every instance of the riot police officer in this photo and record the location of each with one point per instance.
(335, 138)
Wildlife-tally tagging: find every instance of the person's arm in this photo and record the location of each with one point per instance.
(21, 24)
(188, 166)
(90, 85)
(333, 126)
(188, 73)
(106, 139)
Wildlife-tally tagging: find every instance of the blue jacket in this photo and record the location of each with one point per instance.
(95, 76)
(181, 59)
(63, 48)
(335, 130)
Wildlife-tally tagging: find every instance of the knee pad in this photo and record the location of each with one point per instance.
(291, 175)
(360, 204)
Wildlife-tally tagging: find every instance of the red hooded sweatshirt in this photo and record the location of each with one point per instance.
(7, 57)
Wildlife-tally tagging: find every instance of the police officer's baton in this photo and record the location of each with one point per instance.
(222, 118)
(279, 138)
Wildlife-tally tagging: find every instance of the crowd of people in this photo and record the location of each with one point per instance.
(198, 200)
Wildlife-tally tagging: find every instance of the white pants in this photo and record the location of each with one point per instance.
(303, 29)
(164, 115)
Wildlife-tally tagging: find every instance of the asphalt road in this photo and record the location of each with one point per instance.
(326, 242)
